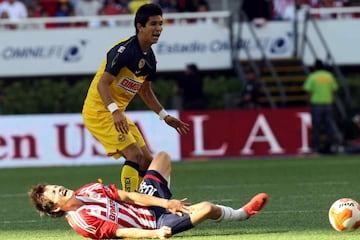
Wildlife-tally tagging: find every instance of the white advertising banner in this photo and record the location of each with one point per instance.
(342, 37)
(207, 45)
(56, 51)
(70, 51)
(80, 51)
(276, 39)
(61, 140)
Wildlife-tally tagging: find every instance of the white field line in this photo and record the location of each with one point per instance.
(20, 221)
(11, 195)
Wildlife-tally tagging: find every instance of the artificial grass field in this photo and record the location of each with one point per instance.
(301, 191)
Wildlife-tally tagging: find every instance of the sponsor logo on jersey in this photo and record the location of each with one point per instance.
(112, 210)
(121, 49)
(94, 195)
(129, 85)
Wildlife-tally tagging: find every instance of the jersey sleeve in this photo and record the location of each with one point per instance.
(334, 83)
(91, 227)
(116, 58)
(152, 73)
(106, 230)
(307, 84)
(111, 191)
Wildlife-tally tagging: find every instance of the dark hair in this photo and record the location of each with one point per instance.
(42, 204)
(146, 11)
(193, 67)
(319, 64)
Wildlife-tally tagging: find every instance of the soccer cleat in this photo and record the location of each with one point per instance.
(256, 204)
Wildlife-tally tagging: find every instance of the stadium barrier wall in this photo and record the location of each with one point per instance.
(246, 133)
(62, 140)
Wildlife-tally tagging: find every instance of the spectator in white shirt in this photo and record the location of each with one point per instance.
(280, 6)
(15, 9)
(88, 7)
(296, 11)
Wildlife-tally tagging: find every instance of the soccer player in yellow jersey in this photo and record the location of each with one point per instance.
(127, 70)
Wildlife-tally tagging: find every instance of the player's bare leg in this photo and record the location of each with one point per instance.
(219, 213)
(162, 164)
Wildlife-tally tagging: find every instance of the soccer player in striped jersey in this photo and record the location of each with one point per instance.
(128, 69)
(100, 211)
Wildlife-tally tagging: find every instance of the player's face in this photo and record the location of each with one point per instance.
(153, 28)
(58, 194)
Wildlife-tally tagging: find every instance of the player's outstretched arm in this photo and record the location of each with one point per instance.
(173, 205)
(180, 126)
(162, 233)
(147, 95)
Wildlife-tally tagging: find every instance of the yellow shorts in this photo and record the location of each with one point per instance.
(102, 128)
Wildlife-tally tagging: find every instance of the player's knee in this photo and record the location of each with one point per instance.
(164, 157)
(163, 154)
(207, 208)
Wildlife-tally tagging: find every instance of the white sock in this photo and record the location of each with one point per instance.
(168, 181)
(230, 214)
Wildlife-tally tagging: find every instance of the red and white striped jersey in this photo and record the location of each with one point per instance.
(103, 213)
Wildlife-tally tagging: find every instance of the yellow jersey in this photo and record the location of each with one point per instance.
(131, 67)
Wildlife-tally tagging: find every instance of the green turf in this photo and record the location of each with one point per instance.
(301, 191)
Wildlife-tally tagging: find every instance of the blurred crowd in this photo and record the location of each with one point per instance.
(255, 9)
(285, 9)
(260, 11)
(17, 9)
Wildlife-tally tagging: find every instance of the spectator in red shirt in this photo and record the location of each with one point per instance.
(191, 5)
(35, 9)
(50, 6)
(110, 8)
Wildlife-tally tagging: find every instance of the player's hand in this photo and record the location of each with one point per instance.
(164, 232)
(180, 126)
(120, 122)
(178, 206)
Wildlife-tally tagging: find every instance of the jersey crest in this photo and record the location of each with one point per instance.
(141, 63)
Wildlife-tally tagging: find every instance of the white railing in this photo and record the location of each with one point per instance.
(339, 12)
(109, 21)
